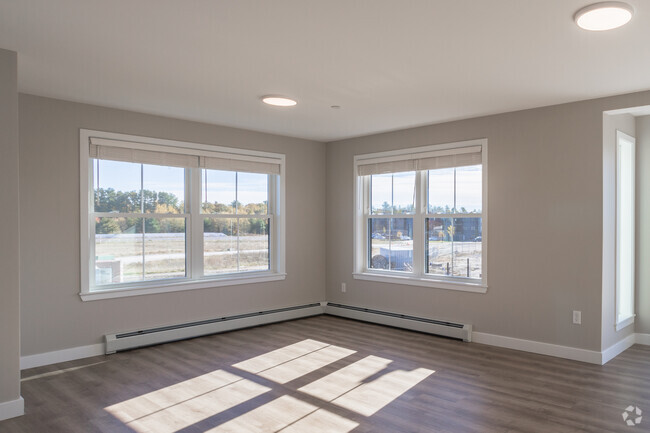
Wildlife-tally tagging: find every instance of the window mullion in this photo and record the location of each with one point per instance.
(418, 226)
(194, 246)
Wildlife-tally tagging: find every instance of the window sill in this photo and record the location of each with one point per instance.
(122, 292)
(625, 322)
(420, 281)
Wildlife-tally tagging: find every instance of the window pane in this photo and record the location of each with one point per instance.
(441, 191)
(218, 191)
(118, 250)
(219, 245)
(469, 191)
(391, 244)
(401, 244)
(381, 193)
(253, 244)
(404, 192)
(164, 248)
(252, 193)
(439, 246)
(117, 186)
(379, 243)
(163, 189)
(454, 247)
(467, 247)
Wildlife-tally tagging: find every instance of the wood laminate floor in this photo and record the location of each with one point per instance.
(327, 374)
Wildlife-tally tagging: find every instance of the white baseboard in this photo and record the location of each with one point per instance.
(616, 349)
(643, 339)
(40, 359)
(12, 409)
(590, 356)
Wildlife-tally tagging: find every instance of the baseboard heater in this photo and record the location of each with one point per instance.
(165, 334)
(461, 331)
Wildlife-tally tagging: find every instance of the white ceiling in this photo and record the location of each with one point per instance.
(389, 64)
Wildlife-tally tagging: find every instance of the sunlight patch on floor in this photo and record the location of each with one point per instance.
(321, 421)
(164, 398)
(271, 417)
(57, 372)
(347, 378)
(288, 415)
(190, 412)
(363, 387)
(371, 397)
(305, 364)
(280, 356)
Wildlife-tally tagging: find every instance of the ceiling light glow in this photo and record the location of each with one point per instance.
(278, 101)
(604, 16)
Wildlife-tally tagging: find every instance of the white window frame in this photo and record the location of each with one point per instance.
(623, 175)
(418, 277)
(194, 217)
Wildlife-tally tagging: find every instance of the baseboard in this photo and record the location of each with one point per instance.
(643, 339)
(616, 349)
(589, 356)
(12, 409)
(40, 359)
(573, 353)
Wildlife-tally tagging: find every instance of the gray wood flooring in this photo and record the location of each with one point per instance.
(327, 374)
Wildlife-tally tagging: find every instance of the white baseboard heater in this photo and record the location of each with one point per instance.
(165, 334)
(461, 331)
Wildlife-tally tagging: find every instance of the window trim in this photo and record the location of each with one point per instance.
(360, 270)
(621, 321)
(278, 228)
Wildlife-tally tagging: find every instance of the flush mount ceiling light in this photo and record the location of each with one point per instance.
(278, 101)
(603, 16)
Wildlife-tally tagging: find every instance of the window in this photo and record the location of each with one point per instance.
(421, 216)
(162, 215)
(625, 233)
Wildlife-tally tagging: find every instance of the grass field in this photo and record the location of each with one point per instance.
(164, 256)
(440, 256)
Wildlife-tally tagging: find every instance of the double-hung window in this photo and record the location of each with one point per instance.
(161, 215)
(420, 216)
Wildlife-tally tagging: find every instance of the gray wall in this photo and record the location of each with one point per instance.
(545, 224)
(53, 315)
(9, 241)
(642, 320)
(611, 123)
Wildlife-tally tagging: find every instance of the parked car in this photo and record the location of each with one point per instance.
(478, 239)
(378, 236)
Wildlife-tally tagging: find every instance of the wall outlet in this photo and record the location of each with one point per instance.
(343, 288)
(577, 317)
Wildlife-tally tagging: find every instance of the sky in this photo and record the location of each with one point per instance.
(221, 185)
(441, 188)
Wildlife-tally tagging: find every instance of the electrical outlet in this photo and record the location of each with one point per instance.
(577, 317)
(343, 288)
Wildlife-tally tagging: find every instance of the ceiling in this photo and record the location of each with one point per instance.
(389, 64)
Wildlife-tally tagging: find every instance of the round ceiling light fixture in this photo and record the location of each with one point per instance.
(603, 16)
(278, 101)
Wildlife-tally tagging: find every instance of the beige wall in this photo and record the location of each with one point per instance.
(546, 174)
(545, 224)
(643, 225)
(53, 315)
(611, 123)
(9, 242)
